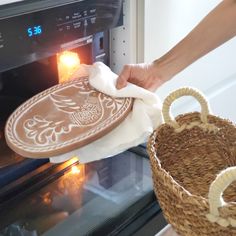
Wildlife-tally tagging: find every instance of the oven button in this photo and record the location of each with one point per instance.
(77, 24)
(68, 27)
(92, 11)
(85, 23)
(1, 41)
(76, 15)
(93, 20)
(59, 19)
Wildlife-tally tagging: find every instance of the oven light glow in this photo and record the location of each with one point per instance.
(69, 59)
(72, 160)
(75, 170)
(67, 62)
(78, 172)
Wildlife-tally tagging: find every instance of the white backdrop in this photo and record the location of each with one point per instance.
(152, 27)
(166, 23)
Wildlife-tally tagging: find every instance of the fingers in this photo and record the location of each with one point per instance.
(143, 75)
(123, 77)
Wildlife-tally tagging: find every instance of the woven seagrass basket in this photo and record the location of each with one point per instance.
(193, 161)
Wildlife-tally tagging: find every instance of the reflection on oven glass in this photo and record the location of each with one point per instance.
(82, 194)
(51, 205)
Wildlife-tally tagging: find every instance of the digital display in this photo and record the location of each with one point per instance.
(34, 31)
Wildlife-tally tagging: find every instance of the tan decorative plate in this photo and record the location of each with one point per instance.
(62, 118)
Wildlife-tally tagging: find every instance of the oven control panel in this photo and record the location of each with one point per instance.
(33, 36)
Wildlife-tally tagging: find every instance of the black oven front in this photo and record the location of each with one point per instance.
(113, 196)
(30, 40)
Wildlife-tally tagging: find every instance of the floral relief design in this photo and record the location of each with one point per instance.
(84, 109)
(43, 131)
(111, 102)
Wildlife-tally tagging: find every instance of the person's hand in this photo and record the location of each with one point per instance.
(144, 75)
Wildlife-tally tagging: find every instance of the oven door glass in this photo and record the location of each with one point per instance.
(91, 199)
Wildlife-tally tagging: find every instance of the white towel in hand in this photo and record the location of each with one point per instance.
(134, 130)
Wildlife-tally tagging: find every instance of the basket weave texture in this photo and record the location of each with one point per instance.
(193, 159)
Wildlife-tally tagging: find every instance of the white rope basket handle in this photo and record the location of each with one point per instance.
(185, 91)
(218, 186)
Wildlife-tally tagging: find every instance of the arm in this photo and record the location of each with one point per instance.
(215, 29)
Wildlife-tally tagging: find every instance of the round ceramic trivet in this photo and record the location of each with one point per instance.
(63, 118)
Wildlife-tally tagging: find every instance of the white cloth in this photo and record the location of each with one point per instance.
(134, 130)
(167, 231)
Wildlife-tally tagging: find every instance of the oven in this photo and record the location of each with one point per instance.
(113, 196)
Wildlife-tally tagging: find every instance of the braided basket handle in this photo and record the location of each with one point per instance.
(217, 187)
(185, 91)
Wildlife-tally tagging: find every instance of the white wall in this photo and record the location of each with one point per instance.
(165, 23)
(168, 21)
